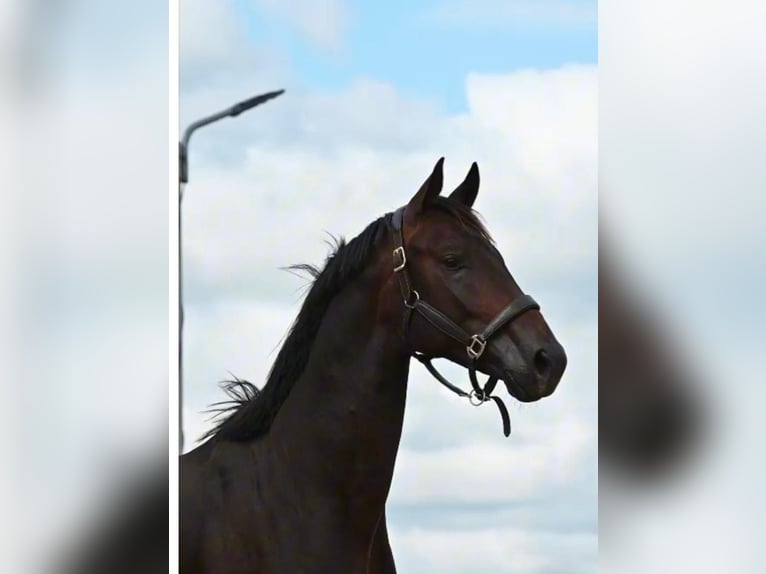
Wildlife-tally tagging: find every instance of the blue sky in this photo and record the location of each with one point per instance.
(428, 51)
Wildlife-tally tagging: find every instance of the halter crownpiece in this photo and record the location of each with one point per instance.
(475, 344)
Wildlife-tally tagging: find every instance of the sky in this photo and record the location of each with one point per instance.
(375, 94)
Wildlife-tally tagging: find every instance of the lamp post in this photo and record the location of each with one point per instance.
(183, 179)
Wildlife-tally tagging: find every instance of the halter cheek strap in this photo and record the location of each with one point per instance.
(474, 343)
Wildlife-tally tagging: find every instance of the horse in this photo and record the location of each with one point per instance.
(295, 476)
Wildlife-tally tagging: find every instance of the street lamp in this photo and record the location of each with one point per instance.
(183, 179)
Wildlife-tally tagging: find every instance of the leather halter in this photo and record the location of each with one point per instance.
(474, 343)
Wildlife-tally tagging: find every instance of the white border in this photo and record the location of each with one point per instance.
(173, 419)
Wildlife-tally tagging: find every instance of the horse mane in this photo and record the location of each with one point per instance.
(249, 412)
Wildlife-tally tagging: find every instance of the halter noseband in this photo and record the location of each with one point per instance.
(474, 343)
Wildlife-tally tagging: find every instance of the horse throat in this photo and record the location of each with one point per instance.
(347, 409)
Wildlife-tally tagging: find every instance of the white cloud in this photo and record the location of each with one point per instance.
(493, 550)
(494, 471)
(209, 31)
(216, 50)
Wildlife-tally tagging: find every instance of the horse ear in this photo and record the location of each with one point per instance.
(467, 191)
(428, 191)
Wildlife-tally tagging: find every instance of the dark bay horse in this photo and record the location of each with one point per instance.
(296, 477)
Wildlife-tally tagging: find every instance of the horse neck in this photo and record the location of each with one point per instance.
(343, 419)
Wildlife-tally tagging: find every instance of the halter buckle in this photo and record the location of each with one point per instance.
(399, 252)
(476, 347)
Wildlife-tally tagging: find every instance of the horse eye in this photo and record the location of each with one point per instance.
(451, 262)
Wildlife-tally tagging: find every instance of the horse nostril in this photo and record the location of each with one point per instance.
(542, 363)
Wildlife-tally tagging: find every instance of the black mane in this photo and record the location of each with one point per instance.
(249, 411)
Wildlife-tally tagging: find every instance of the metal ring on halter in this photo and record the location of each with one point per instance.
(481, 400)
(415, 298)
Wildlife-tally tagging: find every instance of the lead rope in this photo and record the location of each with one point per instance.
(475, 397)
